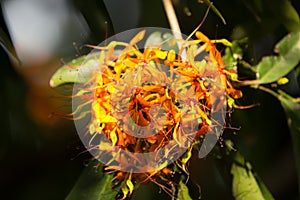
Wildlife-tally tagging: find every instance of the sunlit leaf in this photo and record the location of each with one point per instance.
(292, 111)
(69, 73)
(272, 68)
(245, 185)
(183, 192)
(93, 185)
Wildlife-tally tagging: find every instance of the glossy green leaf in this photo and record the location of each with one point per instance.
(164, 40)
(292, 111)
(80, 69)
(77, 71)
(93, 185)
(271, 68)
(245, 185)
(183, 192)
(68, 73)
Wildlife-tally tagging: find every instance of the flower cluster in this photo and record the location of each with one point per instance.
(152, 99)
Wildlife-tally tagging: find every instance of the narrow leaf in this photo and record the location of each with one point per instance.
(215, 10)
(93, 185)
(244, 183)
(292, 111)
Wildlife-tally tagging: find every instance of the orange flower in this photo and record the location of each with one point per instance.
(122, 106)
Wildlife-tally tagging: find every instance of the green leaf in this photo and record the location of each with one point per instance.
(245, 185)
(93, 185)
(215, 10)
(78, 70)
(292, 111)
(264, 190)
(183, 192)
(68, 73)
(232, 55)
(289, 46)
(271, 68)
(164, 40)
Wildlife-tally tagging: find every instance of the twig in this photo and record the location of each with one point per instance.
(247, 83)
(269, 91)
(172, 18)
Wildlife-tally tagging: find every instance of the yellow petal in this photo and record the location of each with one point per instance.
(113, 137)
(282, 81)
(92, 129)
(230, 102)
(161, 54)
(130, 186)
(125, 192)
(171, 55)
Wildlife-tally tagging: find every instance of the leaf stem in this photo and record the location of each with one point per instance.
(280, 94)
(248, 82)
(269, 91)
(209, 3)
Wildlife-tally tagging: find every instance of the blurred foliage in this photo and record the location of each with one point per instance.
(93, 185)
(97, 17)
(36, 152)
(244, 183)
(292, 110)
